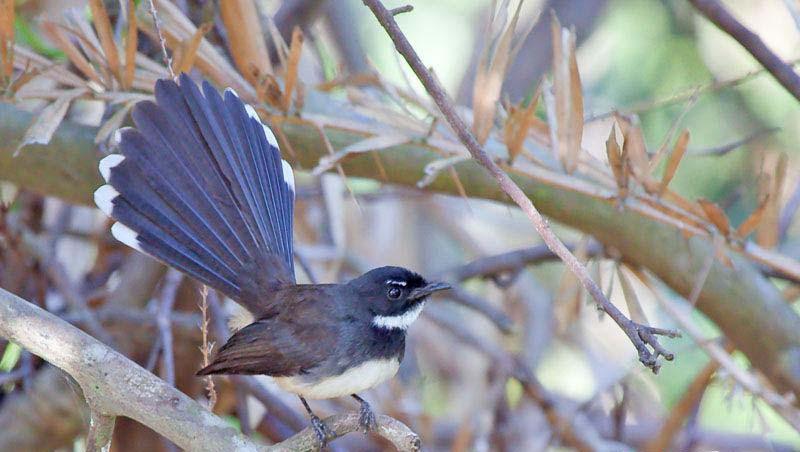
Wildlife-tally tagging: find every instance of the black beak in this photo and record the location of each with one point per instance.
(428, 289)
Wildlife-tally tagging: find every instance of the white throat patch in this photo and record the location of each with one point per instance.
(400, 322)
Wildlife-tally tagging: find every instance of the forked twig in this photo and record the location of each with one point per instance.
(640, 335)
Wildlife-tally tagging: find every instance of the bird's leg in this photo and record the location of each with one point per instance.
(366, 418)
(320, 429)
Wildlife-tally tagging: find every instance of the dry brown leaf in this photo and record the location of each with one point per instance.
(209, 61)
(682, 410)
(753, 220)
(106, 34)
(519, 122)
(245, 38)
(616, 159)
(491, 72)
(7, 38)
(636, 151)
(295, 50)
(188, 49)
(768, 234)
(131, 43)
(575, 126)
(568, 96)
(674, 160)
(59, 37)
(46, 122)
(716, 216)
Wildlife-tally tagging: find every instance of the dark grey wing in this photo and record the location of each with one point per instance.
(274, 347)
(201, 186)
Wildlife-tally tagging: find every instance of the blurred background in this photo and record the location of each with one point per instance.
(659, 62)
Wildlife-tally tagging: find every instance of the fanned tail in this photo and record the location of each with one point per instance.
(201, 186)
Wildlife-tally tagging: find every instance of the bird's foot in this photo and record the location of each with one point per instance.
(366, 418)
(323, 432)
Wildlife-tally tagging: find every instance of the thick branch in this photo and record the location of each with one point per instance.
(114, 385)
(26, 423)
(742, 302)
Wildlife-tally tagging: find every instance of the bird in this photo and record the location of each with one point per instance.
(199, 184)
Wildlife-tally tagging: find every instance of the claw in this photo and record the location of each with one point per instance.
(322, 431)
(366, 418)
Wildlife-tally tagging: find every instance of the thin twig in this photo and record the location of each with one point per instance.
(714, 85)
(496, 316)
(510, 262)
(728, 147)
(714, 11)
(640, 335)
(162, 41)
(206, 347)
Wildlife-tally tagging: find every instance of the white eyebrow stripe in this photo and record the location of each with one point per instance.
(396, 282)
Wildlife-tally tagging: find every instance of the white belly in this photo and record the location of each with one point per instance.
(353, 381)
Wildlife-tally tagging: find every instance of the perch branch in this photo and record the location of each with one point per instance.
(116, 386)
(640, 335)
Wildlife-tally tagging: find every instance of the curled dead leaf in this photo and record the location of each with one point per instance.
(375, 143)
(295, 50)
(46, 122)
(616, 159)
(678, 152)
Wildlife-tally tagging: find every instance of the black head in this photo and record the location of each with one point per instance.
(394, 295)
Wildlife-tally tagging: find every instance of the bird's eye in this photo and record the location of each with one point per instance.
(394, 293)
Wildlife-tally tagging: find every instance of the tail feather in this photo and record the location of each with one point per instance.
(201, 186)
(223, 154)
(181, 175)
(152, 237)
(150, 196)
(266, 177)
